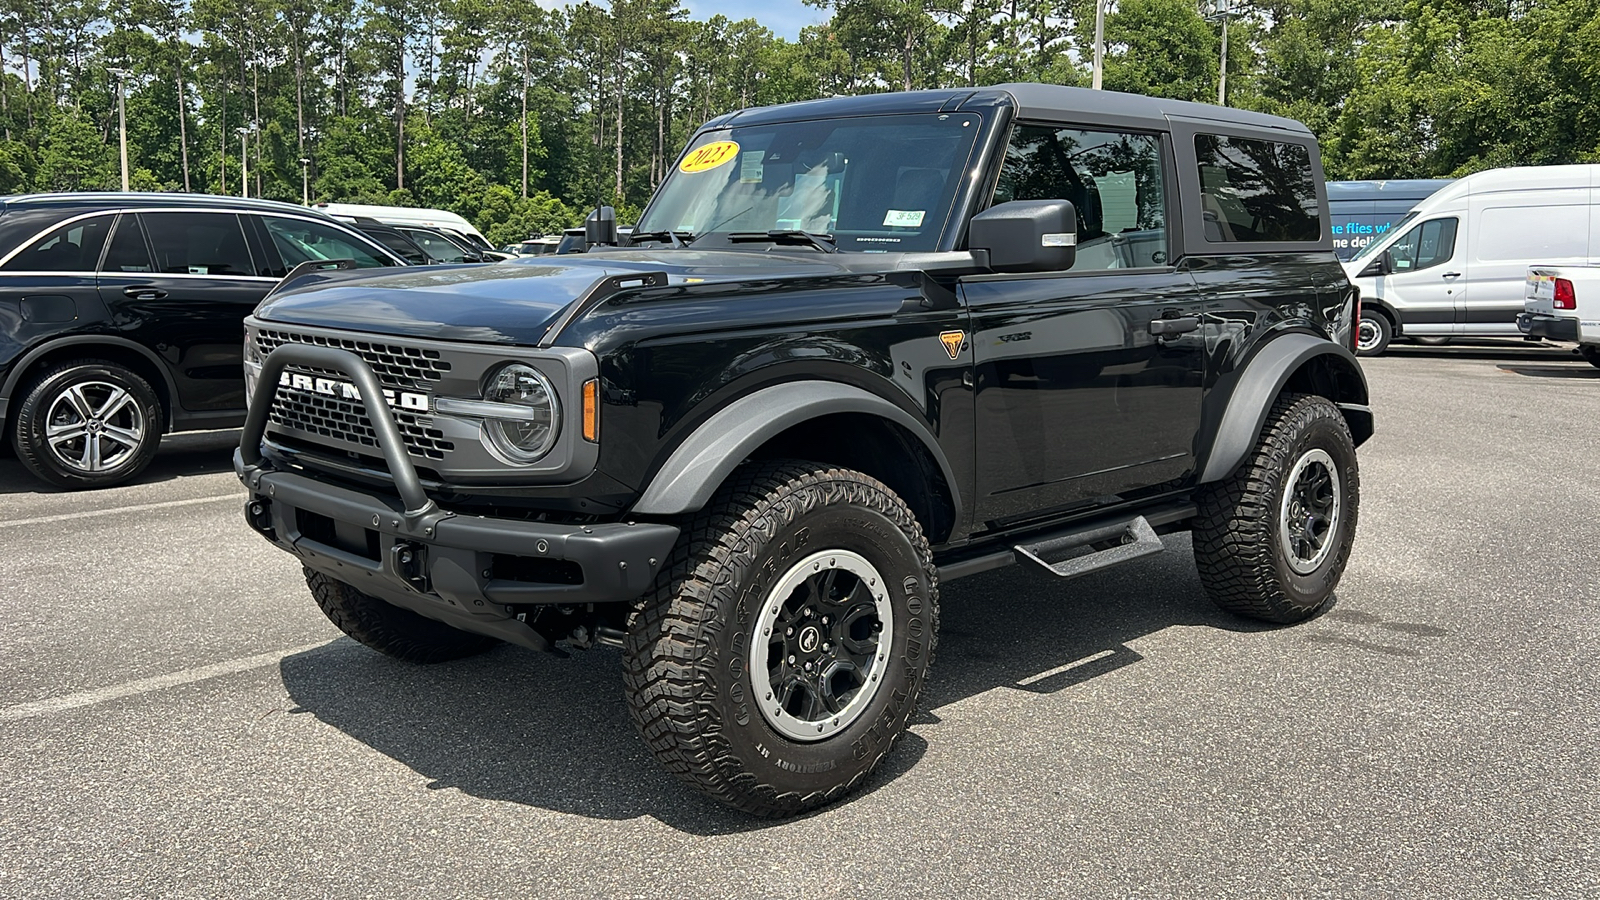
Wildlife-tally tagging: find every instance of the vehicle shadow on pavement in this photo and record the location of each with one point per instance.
(1568, 371)
(523, 727)
(179, 455)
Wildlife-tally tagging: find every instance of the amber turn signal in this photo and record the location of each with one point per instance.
(591, 410)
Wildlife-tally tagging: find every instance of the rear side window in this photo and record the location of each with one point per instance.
(127, 252)
(400, 245)
(1256, 191)
(301, 241)
(198, 243)
(74, 247)
(437, 247)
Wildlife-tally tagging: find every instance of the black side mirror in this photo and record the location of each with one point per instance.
(1027, 235)
(601, 227)
(1383, 265)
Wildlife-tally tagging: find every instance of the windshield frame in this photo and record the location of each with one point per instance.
(988, 122)
(1387, 238)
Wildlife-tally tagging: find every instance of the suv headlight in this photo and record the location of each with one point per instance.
(525, 427)
(252, 366)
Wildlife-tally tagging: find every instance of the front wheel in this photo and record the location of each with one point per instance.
(1272, 539)
(787, 641)
(88, 424)
(1373, 333)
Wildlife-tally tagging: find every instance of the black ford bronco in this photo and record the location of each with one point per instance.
(853, 349)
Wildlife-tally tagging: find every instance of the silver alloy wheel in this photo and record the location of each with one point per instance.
(820, 645)
(1367, 334)
(1308, 516)
(94, 426)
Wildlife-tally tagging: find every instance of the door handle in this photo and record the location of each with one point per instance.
(1451, 275)
(144, 292)
(1180, 325)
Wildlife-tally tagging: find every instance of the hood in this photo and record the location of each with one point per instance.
(512, 302)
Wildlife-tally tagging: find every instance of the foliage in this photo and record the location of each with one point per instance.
(522, 117)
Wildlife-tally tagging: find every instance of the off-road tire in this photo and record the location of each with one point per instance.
(1383, 329)
(1244, 565)
(387, 628)
(28, 432)
(686, 680)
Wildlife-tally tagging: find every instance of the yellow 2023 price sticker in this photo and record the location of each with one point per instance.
(710, 156)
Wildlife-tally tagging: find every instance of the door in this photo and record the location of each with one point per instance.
(1081, 397)
(185, 296)
(1512, 231)
(1426, 287)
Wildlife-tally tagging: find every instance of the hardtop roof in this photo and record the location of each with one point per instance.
(120, 200)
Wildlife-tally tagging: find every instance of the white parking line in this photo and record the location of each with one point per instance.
(1066, 668)
(90, 513)
(146, 685)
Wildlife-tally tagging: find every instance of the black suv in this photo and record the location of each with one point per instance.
(121, 314)
(853, 349)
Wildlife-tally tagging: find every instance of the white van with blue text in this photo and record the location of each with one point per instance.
(1457, 264)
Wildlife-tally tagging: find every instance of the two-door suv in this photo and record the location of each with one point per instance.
(854, 348)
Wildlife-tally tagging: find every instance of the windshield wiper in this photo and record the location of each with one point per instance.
(823, 242)
(675, 238)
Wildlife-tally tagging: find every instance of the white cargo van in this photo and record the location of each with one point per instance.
(406, 215)
(1457, 264)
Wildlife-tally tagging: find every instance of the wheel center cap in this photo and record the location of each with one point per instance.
(94, 425)
(810, 639)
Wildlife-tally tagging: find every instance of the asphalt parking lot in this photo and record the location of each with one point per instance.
(178, 719)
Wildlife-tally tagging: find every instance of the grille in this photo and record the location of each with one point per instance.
(346, 420)
(399, 367)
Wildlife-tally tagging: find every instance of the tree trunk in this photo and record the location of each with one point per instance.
(400, 116)
(222, 129)
(524, 120)
(183, 117)
(621, 98)
(5, 105)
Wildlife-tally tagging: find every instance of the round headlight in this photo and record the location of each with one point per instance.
(527, 437)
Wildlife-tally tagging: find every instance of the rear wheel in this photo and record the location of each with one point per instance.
(88, 424)
(786, 643)
(387, 628)
(1373, 333)
(1590, 353)
(1272, 539)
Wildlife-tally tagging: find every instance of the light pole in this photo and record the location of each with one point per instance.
(305, 181)
(1099, 40)
(122, 121)
(1221, 10)
(244, 161)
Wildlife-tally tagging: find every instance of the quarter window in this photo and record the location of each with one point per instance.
(1427, 245)
(127, 252)
(301, 241)
(1114, 181)
(1256, 191)
(206, 243)
(74, 247)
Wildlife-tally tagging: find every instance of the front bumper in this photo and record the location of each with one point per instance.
(1554, 328)
(472, 572)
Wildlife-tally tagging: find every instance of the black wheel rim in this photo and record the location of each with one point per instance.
(1309, 516)
(818, 652)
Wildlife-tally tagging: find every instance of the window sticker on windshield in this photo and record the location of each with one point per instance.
(199, 270)
(750, 168)
(709, 157)
(904, 218)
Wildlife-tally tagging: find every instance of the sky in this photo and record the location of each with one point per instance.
(784, 17)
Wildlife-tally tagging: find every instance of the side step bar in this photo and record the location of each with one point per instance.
(1116, 527)
(1134, 539)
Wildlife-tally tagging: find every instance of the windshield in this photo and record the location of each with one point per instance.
(874, 183)
(1372, 245)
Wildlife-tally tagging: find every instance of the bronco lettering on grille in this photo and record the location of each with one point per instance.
(344, 390)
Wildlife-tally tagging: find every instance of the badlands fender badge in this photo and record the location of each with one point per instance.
(344, 390)
(952, 342)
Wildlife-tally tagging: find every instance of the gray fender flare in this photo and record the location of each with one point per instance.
(1258, 384)
(704, 460)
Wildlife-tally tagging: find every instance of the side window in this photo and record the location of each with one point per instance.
(74, 247)
(398, 243)
(1253, 190)
(300, 240)
(1113, 179)
(437, 247)
(1426, 245)
(127, 252)
(198, 243)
